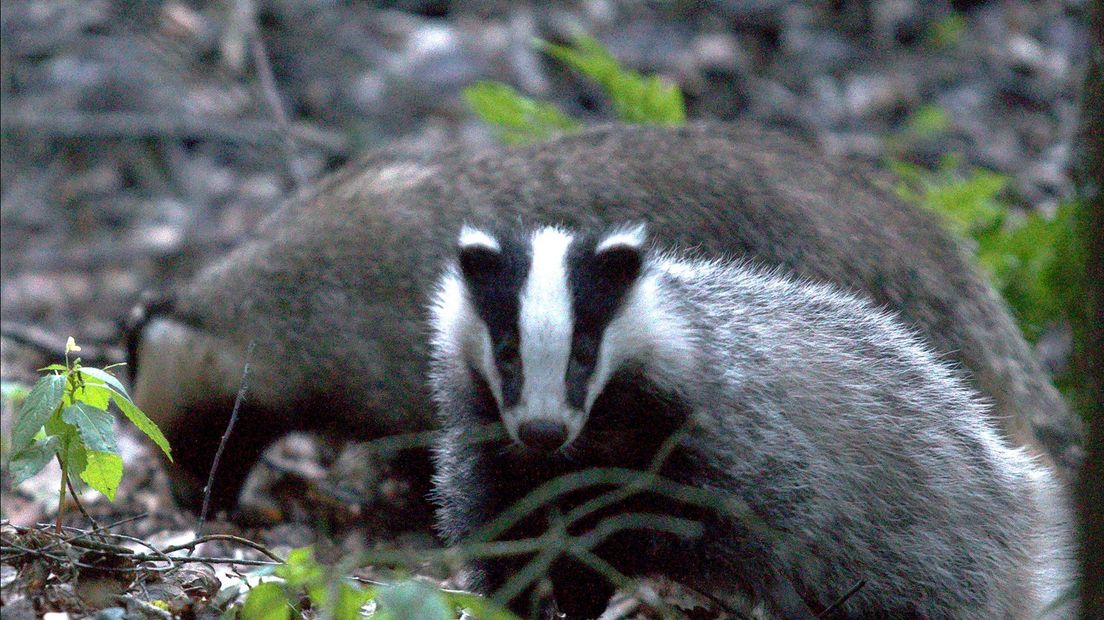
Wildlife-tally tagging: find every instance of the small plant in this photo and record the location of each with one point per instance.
(516, 118)
(65, 416)
(303, 583)
(636, 98)
(947, 32)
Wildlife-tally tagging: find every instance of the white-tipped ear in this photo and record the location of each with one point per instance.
(471, 238)
(631, 235)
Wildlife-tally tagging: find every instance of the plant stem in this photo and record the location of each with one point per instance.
(61, 493)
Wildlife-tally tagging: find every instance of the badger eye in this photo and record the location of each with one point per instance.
(507, 347)
(584, 351)
(506, 353)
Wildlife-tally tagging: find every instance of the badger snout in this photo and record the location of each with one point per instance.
(542, 434)
(543, 426)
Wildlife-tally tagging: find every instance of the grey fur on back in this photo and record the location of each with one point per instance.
(895, 467)
(838, 428)
(332, 286)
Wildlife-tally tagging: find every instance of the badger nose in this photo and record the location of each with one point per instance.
(543, 435)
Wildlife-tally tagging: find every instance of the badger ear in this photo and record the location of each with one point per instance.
(479, 253)
(619, 255)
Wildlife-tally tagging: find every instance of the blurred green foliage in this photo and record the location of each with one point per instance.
(1036, 261)
(303, 584)
(637, 99)
(927, 121)
(1031, 258)
(517, 119)
(947, 31)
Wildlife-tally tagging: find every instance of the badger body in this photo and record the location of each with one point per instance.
(856, 455)
(332, 286)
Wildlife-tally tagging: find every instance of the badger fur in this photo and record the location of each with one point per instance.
(861, 457)
(332, 285)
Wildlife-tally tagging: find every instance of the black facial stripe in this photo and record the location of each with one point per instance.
(597, 295)
(496, 295)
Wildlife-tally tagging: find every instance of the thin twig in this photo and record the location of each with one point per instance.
(80, 504)
(238, 400)
(229, 537)
(275, 104)
(135, 557)
(146, 557)
(249, 131)
(843, 599)
(138, 541)
(385, 584)
(72, 540)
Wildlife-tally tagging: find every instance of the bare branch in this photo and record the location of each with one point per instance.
(238, 400)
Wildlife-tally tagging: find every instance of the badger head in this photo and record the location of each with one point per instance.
(544, 319)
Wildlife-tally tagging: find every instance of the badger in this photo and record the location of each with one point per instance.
(332, 285)
(859, 458)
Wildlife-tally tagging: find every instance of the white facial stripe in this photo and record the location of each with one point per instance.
(474, 237)
(633, 236)
(546, 322)
(459, 333)
(643, 330)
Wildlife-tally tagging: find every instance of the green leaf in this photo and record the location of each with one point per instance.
(41, 403)
(142, 421)
(266, 601)
(414, 600)
(95, 426)
(300, 570)
(479, 607)
(56, 426)
(32, 459)
(350, 599)
(53, 367)
(103, 472)
(95, 395)
(948, 31)
(636, 98)
(105, 377)
(516, 118)
(928, 121)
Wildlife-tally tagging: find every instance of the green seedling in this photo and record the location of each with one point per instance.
(65, 417)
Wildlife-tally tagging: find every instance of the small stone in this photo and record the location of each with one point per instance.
(868, 94)
(111, 613)
(719, 51)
